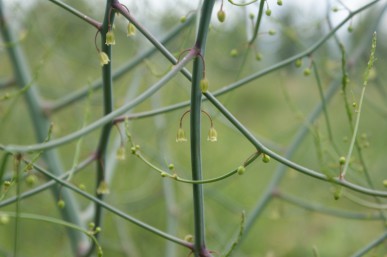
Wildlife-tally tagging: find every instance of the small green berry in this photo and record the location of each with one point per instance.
(4, 219)
(342, 160)
(97, 229)
(133, 150)
(268, 12)
(100, 252)
(265, 158)
(82, 187)
(335, 9)
(354, 104)
(258, 56)
(221, 15)
(91, 225)
(272, 32)
(385, 183)
(183, 19)
(251, 16)
(307, 72)
(337, 193)
(241, 170)
(171, 166)
(31, 179)
(164, 174)
(234, 53)
(350, 29)
(298, 63)
(61, 204)
(279, 2)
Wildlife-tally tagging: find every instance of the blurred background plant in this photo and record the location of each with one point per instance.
(290, 151)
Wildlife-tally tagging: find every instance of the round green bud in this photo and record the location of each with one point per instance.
(307, 72)
(279, 2)
(61, 204)
(100, 252)
(7, 183)
(171, 166)
(335, 9)
(350, 29)
(258, 57)
(188, 238)
(342, 160)
(183, 19)
(265, 158)
(4, 219)
(31, 179)
(251, 16)
(221, 15)
(241, 170)
(268, 12)
(234, 53)
(97, 229)
(82, 186)
(298, 63)
(91, 225)
(354, 104)
(385, 182)
(164, 174)
(272, 32)
(133, 150)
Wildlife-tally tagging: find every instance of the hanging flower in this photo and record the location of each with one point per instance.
(103, 188)
(212, 135)
(110, 38)
(103, 58)
(131, 30)
(180, 135)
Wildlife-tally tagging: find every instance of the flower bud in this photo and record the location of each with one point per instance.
(279, 2)
(307, 72)
(204, 85)
(298, 63)
(221, 15)
(272, 32)
(265, 158)
(342, 160)
(61, 204)
(234, 53)
(241, 170)
(4, 219)
(268, 12)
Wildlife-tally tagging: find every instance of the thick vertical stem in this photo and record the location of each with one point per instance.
(195, 128)
(107, 83)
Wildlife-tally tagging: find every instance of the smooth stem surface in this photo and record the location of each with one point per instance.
(195, 129)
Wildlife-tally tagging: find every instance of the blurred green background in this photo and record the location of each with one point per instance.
(62, 57)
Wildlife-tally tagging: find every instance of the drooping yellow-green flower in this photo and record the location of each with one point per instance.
(212, 135)
(180, 136)
(110, 38)
(103, 58)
